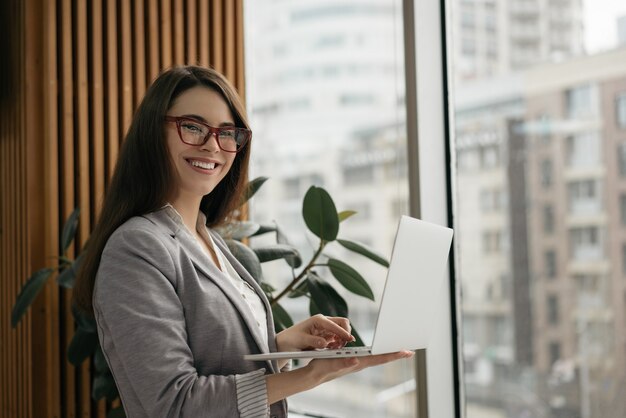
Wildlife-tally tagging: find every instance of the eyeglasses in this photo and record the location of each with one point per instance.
(193, 132)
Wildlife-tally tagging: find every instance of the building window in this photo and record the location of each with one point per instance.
(489, 157)
(621, 159)
(550, 259)
(553, 310)
(582, 102)
(358, 175)
(492, 241)
(620, 110)
(548, 219)
(624, 259)
(491, 200)
(555, 352)
(546, 173)
(585, 243)
(583, 150)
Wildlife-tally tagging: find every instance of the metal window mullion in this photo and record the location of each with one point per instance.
(428, 148)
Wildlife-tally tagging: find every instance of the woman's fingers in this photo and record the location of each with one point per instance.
(331, 324)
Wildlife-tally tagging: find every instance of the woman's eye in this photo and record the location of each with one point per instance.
(227, 134)
(192, 128)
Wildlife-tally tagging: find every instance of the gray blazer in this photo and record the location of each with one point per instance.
(174, 329)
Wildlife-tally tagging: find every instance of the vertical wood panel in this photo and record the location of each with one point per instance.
(239, 79)
(204, 21)
(191, 56)
(179, 33)
(113, 129)
(154, 38)
(140, 53)
(87, 66)
(66, 173)
(217, 35)
(166, 34)
(127, 79)
(230, 50)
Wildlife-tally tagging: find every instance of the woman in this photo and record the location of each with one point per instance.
(175, 310)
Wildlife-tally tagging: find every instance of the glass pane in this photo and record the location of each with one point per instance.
(325, 93)
(539, 101)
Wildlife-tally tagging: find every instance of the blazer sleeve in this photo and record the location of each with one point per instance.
(141, 325)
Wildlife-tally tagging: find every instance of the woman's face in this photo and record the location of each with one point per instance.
(198, 169)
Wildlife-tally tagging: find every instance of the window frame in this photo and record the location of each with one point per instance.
(429, 145)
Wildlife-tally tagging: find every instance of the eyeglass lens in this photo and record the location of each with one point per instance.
(229, 139)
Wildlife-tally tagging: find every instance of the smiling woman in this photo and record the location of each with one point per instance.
(175, 311)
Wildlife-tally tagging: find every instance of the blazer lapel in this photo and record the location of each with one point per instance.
(202, 263)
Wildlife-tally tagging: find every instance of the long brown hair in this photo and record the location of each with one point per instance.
(143, 175)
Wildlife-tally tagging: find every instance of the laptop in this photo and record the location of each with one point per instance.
(414, 281)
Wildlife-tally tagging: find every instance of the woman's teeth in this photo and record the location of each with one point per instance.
(206, 166)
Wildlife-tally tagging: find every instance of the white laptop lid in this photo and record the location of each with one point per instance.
(414, 282)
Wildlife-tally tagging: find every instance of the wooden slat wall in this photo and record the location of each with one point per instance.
(75, 71)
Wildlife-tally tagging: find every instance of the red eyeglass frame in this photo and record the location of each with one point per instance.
(212, 131)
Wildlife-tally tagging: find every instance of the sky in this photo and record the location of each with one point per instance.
(600, 18)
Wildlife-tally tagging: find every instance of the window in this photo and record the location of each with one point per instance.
(582, 102)
(585, 244)
(550, 257)
(624, 259)
(553, 310)
(358, 175)
(583, 150)
(546, 173)
(621, 159)
(325, 89)
(620, 109)
(563, 172)
(492, 241)
(555, 352)
(584, 197)
(548, 219)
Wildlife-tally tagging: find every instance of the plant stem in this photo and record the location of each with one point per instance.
(303, 273)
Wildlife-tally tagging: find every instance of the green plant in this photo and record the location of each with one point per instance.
(85, 342)
(321, 218)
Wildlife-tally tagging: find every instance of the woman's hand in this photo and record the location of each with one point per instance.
(324, 370)
(282, 385)
(318, 331)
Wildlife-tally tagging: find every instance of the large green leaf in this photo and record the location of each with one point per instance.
(320, 213)
(326, 298)
(69, 231)
(68, 275)
(251, 188)
(281, 238)
(116, 413)
(104, 386)
(243, 229)
(281, 316)
(350, 278)
(99, 361)
(82, 346)
(29, 292)
(278, 251)
(264, 229)
(364, 251)
(85, 322)
(247, 258)
(345, 214)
